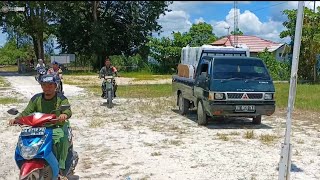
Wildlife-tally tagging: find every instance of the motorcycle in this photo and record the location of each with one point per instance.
(108, 89)
(40, 72)
(59, 82)
(34, 152)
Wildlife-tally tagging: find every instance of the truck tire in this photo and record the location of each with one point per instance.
(256, 120)
(183, 105)
(202, 115)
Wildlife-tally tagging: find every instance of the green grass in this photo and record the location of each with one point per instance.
(9, 69)
(144, 75)
(307, 96)
(79, 72)
(139, 91)
(139, 76)
(8, 100)
(3, 83)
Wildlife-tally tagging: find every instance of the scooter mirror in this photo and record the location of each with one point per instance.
(13, 111)
(64, 107)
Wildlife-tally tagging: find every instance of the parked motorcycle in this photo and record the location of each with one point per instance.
(34, 152)
(40, 72)
(108, 89)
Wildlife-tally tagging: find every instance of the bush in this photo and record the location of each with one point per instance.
(278, 70)
(127, 64)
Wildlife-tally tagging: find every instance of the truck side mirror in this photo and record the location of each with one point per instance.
(203, 74)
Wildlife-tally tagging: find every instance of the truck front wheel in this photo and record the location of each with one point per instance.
(183, 105)
(202, 115)
(256, 120)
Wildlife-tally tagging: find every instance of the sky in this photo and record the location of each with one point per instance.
(259, 18)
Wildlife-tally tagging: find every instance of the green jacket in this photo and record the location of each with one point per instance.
(34, 105)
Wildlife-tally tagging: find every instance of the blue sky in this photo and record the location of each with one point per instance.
(260, 18)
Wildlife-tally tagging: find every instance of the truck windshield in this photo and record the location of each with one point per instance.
(239, 69)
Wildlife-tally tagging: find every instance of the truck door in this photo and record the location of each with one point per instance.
(201, 88)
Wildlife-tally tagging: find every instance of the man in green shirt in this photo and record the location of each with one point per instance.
(46, 102)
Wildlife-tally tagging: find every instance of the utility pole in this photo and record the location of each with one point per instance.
(312, 44)
(227, 27)
(286, 148)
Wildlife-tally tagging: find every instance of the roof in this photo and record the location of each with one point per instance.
(236, 57)
(255, 44)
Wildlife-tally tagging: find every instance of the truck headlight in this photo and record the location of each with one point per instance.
(218, 96)
(268, 96)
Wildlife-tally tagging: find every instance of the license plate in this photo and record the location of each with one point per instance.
(245, 108)
(33, 131)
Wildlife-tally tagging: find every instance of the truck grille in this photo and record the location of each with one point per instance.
(239, 95)
(235, 95)
(255, 95)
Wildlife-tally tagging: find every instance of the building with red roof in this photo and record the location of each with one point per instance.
(256, 45)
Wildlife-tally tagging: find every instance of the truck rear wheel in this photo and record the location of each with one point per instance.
(256, 120)
(183, 105)
(202, 115)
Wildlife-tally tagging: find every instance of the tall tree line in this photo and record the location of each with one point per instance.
(98, 28)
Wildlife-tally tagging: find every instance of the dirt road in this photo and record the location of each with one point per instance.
(147, 139)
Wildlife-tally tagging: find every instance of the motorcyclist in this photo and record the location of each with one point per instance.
(40, 64)
(46, 102)
(108, 70)
(40, 68)
(55, 70)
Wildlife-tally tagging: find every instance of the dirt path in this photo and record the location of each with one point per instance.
(147, 139)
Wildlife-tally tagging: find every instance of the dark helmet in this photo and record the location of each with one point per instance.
(48, 78)
(55, 62)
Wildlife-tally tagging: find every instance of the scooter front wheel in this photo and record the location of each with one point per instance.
(40, 174)
(35, 175)
(109, 101)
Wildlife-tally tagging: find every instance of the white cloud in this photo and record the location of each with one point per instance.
(199, 20)
(276, 11)
(179, 20)
(250, 24)
(174, 21)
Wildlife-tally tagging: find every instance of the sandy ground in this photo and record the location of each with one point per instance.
(147, 139)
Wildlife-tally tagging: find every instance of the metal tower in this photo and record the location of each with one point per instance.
(235, 23)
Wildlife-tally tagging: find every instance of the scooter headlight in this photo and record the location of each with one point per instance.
(28, 152)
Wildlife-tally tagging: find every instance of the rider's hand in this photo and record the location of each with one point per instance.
(63, 117)
(12, 121)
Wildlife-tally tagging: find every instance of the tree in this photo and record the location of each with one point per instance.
(107, 27)
(201, 34)
(310, 41)
(165, 52)
(237, 32)
(168, 52)
(37, 21)
(278, 70)
(9, 52)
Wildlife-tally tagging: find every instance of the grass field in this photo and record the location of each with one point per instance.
(3, 83)
(5, 100)
(139, 91)
(9, 69)
(307, 97)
